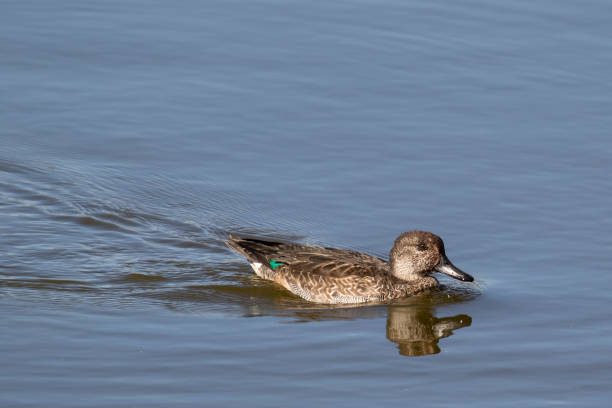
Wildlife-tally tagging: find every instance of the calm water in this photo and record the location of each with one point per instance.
(134, 135)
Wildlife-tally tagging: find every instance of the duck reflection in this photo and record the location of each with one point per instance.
(411, 322)
(413, 327)
(417, 331)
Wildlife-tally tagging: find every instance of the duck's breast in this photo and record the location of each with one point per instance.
(330, 289)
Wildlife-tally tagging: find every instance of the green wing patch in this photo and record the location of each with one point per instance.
(276, 264)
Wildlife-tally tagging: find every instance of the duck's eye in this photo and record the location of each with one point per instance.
(422, 247)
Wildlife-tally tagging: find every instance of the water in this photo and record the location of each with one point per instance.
(135, 135)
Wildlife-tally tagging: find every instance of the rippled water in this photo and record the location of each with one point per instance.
(136, 135)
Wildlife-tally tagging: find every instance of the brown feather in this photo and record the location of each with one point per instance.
(328, 275)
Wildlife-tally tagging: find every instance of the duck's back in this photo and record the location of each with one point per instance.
(322, 275)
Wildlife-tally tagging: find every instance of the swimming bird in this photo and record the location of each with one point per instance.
(334, 276)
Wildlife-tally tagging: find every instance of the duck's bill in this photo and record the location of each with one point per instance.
(446, 267)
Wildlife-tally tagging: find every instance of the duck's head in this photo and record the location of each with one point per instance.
(416, 254)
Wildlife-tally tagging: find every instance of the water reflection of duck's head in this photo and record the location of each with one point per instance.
(417, 331)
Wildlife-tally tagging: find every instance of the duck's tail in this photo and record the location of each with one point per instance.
(259, 253)
(235, 243)
(254, 250)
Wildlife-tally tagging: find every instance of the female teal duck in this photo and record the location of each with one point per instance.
(329, 275)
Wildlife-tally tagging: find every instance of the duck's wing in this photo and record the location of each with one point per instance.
(324, 275)
(312, 259)
(338, 263)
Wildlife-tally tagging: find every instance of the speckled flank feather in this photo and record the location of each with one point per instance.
(327, 275)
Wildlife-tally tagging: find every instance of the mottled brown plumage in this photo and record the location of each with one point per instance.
(330, 275)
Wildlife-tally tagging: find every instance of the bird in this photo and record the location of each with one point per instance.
(339, 276)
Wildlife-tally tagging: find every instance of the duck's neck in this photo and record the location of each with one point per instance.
(405, 271)
(400, 288)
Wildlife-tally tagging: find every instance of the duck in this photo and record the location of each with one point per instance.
(340, 276)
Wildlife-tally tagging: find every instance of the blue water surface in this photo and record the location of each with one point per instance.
(134, 135)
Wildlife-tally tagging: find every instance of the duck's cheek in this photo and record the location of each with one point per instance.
(435, 261)
(428, 261)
